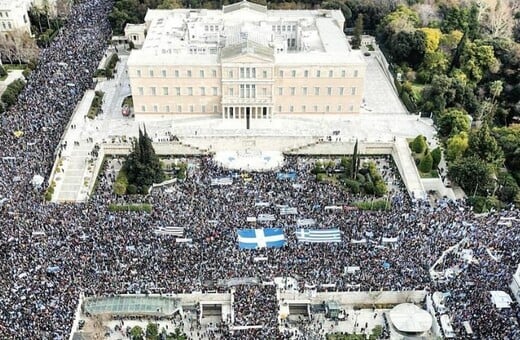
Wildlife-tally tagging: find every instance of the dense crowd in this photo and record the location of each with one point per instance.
(50, 253)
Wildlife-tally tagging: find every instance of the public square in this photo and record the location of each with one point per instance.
(54, 252)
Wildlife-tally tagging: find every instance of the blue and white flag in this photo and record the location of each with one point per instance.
(260, 238)
(318, 235)
(290, 175)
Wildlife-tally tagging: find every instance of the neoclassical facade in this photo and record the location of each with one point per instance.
(245, 62)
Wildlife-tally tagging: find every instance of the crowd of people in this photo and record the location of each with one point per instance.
(253, 305)
(51, 253)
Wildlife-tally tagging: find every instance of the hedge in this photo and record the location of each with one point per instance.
(375, 205)
(12, 91)
(143, 207)
(95, 106)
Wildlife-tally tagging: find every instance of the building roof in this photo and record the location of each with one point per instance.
(409, 318)
(131, 305)
(501, 299)
(201, 36)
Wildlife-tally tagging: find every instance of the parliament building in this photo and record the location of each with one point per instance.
(244, 62)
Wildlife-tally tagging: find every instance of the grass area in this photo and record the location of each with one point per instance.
(95, 106)
(10, 67)
(128, 101)
(431, 174)
(143, 207)
(373, 205)
(376, 334)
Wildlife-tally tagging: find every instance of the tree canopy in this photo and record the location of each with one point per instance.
(142, 166)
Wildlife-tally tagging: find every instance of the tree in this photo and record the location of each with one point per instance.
(457, 146)
(434, 63)
(358, 31)
(432, 38)
(3, 72)
(152, 331)
(407, 47)
(355, 161)
(436, 157)
(473, 175)
(142, 166)
(478, 58)
(170, 4)
(419, 144)
(484, 146)
(509, 140)
(452, 122)
(425, 166)
(136, 333)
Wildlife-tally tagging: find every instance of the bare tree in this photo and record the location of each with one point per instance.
(498, 17)
(17, 45)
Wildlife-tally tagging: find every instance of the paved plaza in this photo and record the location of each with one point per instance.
(384, 120)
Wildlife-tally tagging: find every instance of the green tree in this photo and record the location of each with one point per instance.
(473, 175)
(478, 58)
(452, 122)
(142, 166)
(432, 38)
(425, 166)
(358, 31)
(152, 331)
(482, 144)
(419, 144)
(436, 157)
(509, 140)
(508, 190)
(3, 72)
(434, 63)
(457, 146)
(355, 161)
(136, 333)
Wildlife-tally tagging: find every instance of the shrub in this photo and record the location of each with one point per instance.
(380, 188)
(436, 157)
(143, 207)
(352, 185)
(360, 178)
(376, 205)
(121, 183)
(419, 144)
(3, 72)
(131, 189)
(12, 91)
(426, 163)
(26, 73)
(320, 177)
(369, 188)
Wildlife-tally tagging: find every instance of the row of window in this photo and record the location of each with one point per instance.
(316, 108)
(178, 108)
(247, 91)
(250, 73)
(204, 109)
(329, 91)
(7, 26)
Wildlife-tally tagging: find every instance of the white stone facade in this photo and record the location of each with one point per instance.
(13, 16)
(245, 62)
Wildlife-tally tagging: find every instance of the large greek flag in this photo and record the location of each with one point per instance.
(318, 235)
(260, 238)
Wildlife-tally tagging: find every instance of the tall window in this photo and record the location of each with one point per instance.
(331, 74)
(190, 91)
(138, 73)
(201, 72)
(165, 91)
(178, 91)
(202, 91)
(293, 91)
(188, 73)
(329, 91)
(341, 91)
(293, 73)
(318, 73)
(355, 73)
(140, 90)
(150, 72)
(214, 73)
(316, 91)
(304, 91)
(248, 72)
(176, 73)
(215, 91)
(163, 72)
(306, 73)
(280, 91)
(353, 91)
(152, 91)
(247, 91)
(281, 73)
